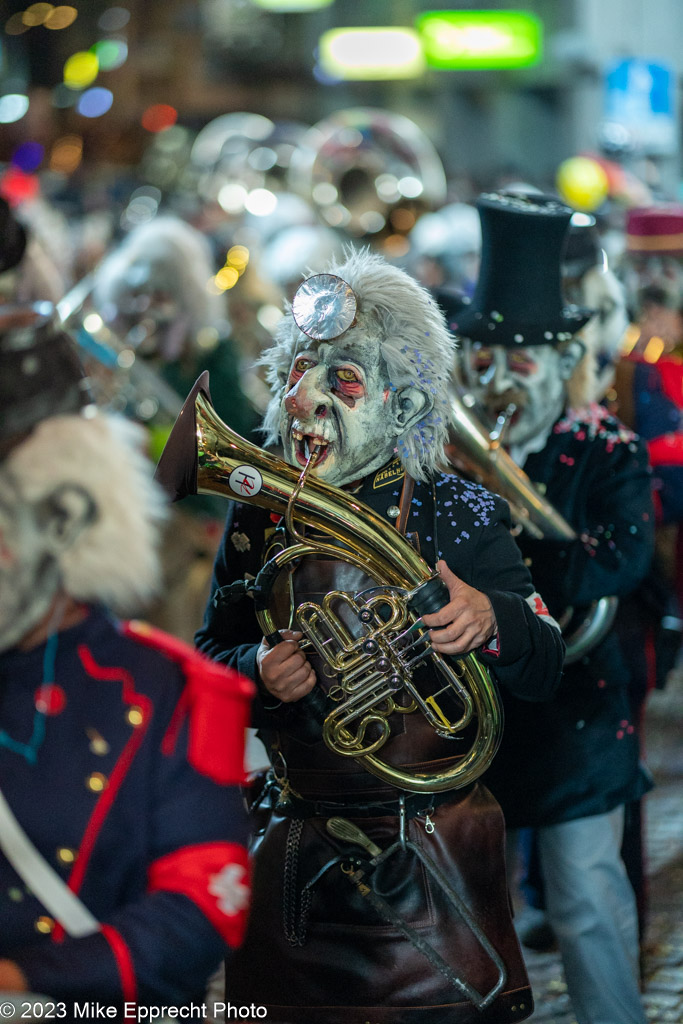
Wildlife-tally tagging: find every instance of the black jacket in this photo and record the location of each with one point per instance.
(578, 755)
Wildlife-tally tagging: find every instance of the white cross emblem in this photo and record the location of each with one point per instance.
(231, 889)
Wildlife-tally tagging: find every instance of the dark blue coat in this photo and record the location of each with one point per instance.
(578, 754)
(152, 844)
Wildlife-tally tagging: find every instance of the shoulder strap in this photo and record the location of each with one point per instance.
(43, 881)
(404, 503)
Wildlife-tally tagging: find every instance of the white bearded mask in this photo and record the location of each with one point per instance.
(79, 513)
(33, 534)
(525, 385)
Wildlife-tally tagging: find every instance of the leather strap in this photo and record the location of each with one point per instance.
(43, 881)
(404, 503)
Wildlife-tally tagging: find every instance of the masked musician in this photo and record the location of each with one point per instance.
(153, 291)
(122, 864)
(359, 374)
(570, 765)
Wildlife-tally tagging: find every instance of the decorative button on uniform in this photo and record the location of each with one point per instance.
(96, 782)
(65, 855)
(393, 511)
(45, 925)
(135, 715)
(98, 744)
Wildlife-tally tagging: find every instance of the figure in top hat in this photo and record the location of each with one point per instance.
(360, 381)
(568, 766)
(123, 869)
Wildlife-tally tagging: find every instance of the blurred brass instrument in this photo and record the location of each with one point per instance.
(368, 171)
(373, 670)
(479, 455)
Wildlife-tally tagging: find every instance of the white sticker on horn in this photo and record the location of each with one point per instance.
(246, 481)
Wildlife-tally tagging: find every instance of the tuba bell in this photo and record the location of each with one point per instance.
(479, 455)
(373, 670)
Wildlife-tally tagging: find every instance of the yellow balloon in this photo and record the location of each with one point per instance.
(582, 183)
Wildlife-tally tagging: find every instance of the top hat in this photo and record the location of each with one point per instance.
(518, 297)
(655, 231)
(40, 372)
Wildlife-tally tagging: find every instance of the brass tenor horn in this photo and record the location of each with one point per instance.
(480, 456)
(374, 671)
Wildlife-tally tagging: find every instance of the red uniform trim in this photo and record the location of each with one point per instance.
(217, 699)
(666, 450)
(170, 739)
(215, 877)
(124, 962)
(119, 772)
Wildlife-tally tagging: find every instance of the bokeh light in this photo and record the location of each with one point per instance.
(66, 154)
(81, 69)
(227, 278)
(142, 206)
(95, 102)
(261, 202)
(36, 14)
(60, 17)
(114, 19)
(14, 26)
(18, 187)
(159, 117)
(371, 54)
(28, 156)
(232, 198)
(110, 53)
(13, 106)
(238, 257)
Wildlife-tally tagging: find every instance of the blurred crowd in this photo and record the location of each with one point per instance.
(184, 264)
(159, 281)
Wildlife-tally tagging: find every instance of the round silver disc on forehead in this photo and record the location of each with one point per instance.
(324, 306)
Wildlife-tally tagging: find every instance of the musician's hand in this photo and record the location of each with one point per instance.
(11, 978)
(284, 669)
(466, 622)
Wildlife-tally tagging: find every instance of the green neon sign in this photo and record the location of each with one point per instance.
(468, 40)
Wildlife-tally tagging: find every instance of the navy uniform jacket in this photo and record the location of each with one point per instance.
(121, 797)
(454, 520)
(578, 755)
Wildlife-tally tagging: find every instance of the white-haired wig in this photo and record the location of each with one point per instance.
(114, 560)
(401, 316)
(180, 259)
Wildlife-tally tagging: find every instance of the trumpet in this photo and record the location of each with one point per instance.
(374, 670)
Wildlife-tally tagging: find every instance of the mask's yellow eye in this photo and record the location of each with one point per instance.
(303, 364)
(346, 375)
